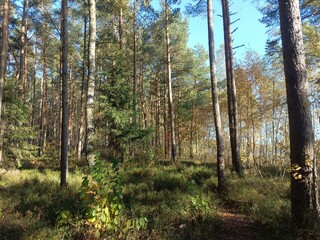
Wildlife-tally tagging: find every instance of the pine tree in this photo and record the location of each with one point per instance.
(304, 189)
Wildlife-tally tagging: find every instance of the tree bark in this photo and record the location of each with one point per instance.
(215, 102)
(3, 65)
(4, 49)
(82, 112)
(65, 112)
(304, 194)
(43, 101)
(170, 104)
(191, 131)
(91, 83)
(134, 101)
(158, 109)
(231, 88)
(23, 54)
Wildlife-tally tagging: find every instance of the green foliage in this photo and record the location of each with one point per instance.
(33, 206)
(264, 200)
(102, 199)
(29, 202)
(102, 202)
(172, 182)
(116, 109)
(199, 204)
(18, 134)
(200, 174)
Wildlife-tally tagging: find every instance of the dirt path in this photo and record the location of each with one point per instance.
(238, 226)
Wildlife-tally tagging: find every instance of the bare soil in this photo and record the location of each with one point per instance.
(238, 226)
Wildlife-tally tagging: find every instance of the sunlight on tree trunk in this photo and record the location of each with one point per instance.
(231, 88)
(215, 102)
(170, 104)
(91, 84)
(304, 194)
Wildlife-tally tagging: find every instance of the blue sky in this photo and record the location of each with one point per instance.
(250, 31)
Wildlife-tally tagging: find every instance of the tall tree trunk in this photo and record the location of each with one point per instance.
(91, 83)
(134, 101)
(170, 104)
(120, 27)
(3, 65)
(70, 104)
(158, 109)
(165, 124)
(64, 78)
(231, 88)
(248, 126)
(82, 112)
(273, 122)
(23, 54)
(43, 105)
(34, 100)
(304, 194)
(215, 102)
(191, 131)
(4, 49)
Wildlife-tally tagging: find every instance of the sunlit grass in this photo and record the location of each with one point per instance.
(180, 202)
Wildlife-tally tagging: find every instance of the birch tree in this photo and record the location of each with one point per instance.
(215, 101)
(91, 82)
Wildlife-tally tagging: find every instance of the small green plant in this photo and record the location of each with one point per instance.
(102, 199)
(102, 202)
(199, 204)
(64, 217)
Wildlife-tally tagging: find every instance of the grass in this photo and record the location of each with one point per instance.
(29, 203)
(180, 202)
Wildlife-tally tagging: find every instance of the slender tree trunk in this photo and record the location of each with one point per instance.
(43, 105)
(215, 102)
(241, 130)
(254, 157)
(70, 104)
(23, 54)
(142, 103)
(120, 28)
(273, 122)
(191, 132)
(33, 122)
(254, 144)
(65, 113)
(231, 87)
(165, 124)
(4, 49)
(3, 66)
(158, 111)
(82, 112)
(248, 126)
(134, 103)
(170, 104)
(91, 83)
(304, 194)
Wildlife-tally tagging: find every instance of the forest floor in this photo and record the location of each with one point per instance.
(239, 226)
(180, 202)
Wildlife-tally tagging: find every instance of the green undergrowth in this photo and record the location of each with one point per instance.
(179, 202)
(29, 202)
(266, 201)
